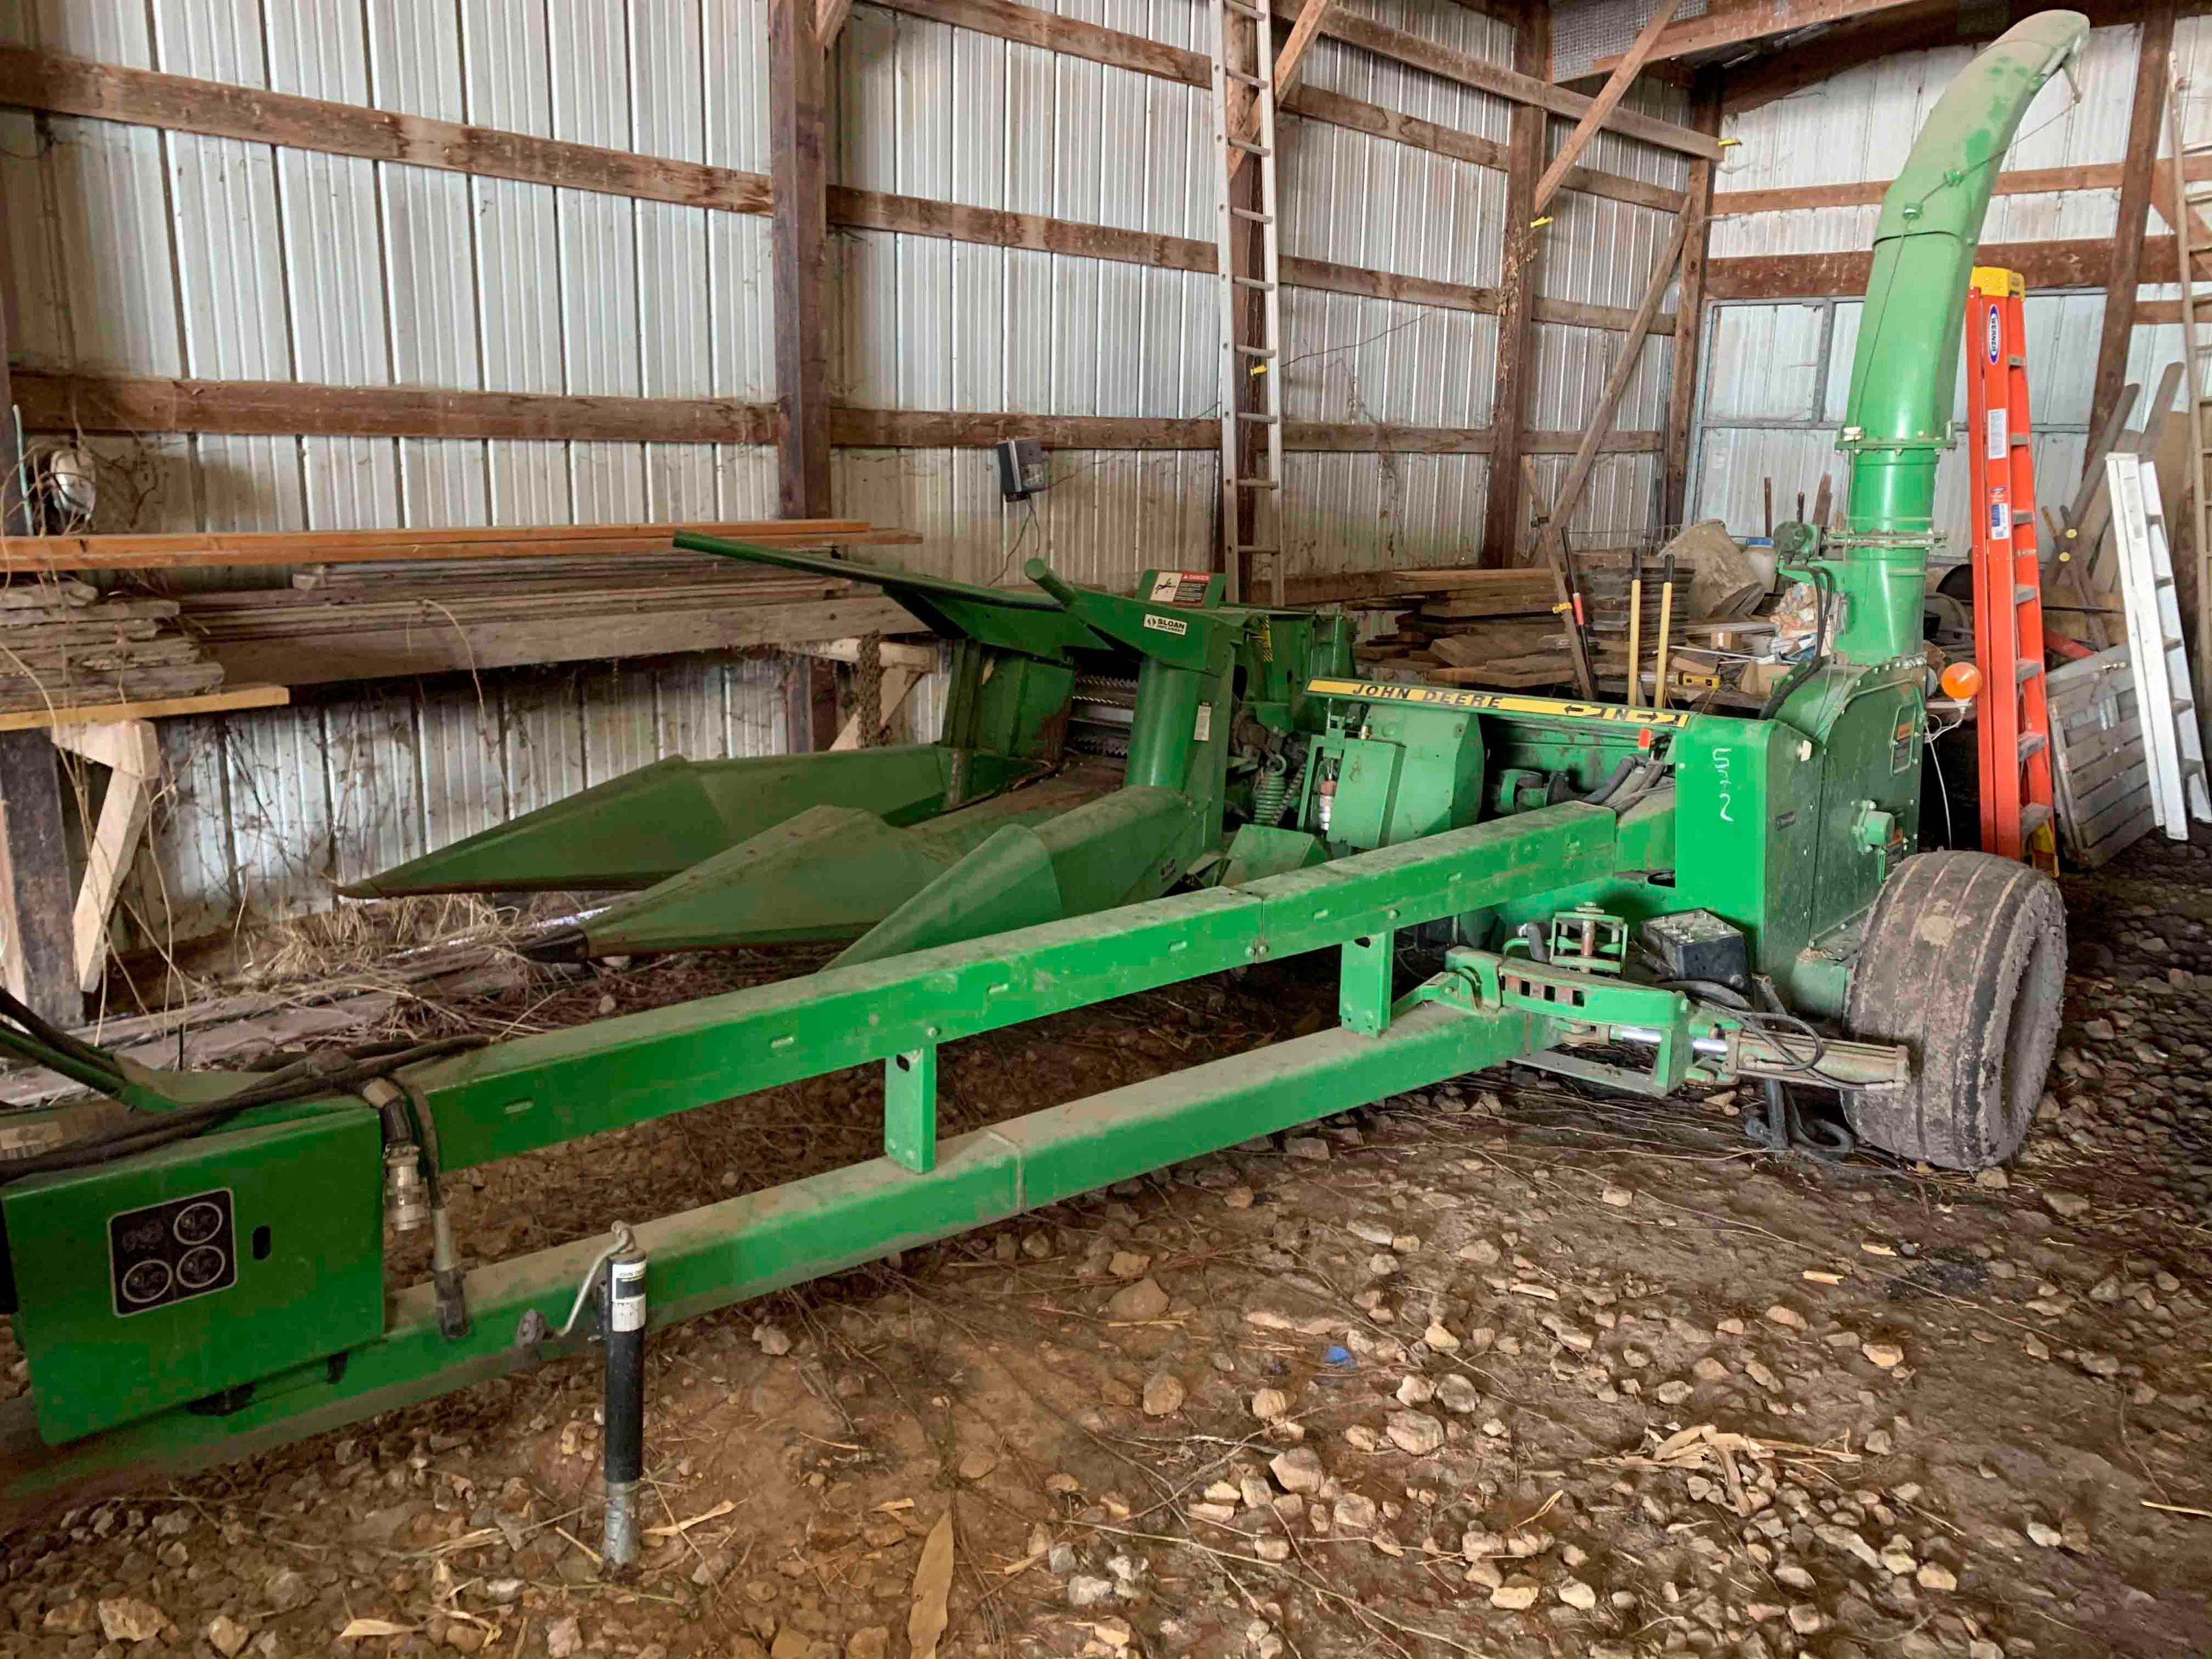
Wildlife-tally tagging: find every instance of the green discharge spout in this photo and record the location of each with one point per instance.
(1905, 373)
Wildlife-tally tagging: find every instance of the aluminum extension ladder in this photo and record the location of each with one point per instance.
(2013, 724)
(2172, 744)
(1251, 400)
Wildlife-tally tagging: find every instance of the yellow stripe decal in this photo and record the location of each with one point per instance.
(1437, 697)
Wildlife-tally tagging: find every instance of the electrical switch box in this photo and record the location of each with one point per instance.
(183, 1275)
(1021, 468)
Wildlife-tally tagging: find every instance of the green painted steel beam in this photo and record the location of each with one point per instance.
(746, 1246)
(1032, 623)
(538, 1091)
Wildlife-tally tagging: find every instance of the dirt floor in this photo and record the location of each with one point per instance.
(1497, 1369)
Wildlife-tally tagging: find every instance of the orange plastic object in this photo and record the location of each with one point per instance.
(1961, 680)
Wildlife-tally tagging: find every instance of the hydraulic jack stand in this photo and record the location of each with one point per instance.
(625, 1400)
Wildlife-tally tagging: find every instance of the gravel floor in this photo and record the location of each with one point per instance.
(1497, 1368)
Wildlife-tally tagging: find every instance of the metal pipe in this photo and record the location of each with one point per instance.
(1897, 422)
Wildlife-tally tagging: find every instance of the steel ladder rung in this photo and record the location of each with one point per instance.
(1260, 283)
(2023, 592)
(2032, 817)
(1258, 483)
(1252, 216)
(1251, 147)
(2031, 745)
(1259, 417)
(1258, 351)
(2026, 670)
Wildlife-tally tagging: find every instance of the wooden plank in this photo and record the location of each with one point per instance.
(1608, 98)
(1354, 437)
(892, 691)
(893, 653)
(1526, 89)
(2081, 264)
(1578, 314)
(1033, 27)
(168, 406)
(1504, 513)
(196, 549)
(1613, 443)
(1689, 306)
(1726, 24)
(1363, 438)
(914, 216)
(916, 429)
(73, 86)
(432, 646)
(64, 403)
(1332, 278)
(2145, 116)
(1288, 62)
(1339, 586)
(38, 900)
(1570, 493)
(798, 145)
(133, 755)
(1869, 192)
(1314, 104)
(149, 708)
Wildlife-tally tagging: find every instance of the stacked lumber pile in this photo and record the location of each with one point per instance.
(62, 645)
(260, 548)
(364, 603)
(1464, 620)
(1498, 629)
(353, 623)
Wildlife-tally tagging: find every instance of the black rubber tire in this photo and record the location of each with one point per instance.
(1965, 963)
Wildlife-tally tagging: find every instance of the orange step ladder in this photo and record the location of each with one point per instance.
(2013, 724)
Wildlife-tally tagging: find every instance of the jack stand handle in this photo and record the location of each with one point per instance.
(625, 1307)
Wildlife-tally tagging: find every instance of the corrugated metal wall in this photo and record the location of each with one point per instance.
(1776, 376)
(163, 254)
(949, 114)
(1601, 252)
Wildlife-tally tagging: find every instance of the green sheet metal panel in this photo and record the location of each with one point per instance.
(206, 1265)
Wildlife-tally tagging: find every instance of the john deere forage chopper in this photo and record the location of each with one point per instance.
(1128, 792)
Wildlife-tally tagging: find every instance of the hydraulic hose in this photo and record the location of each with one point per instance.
(301, 1080)
(1605, 791)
